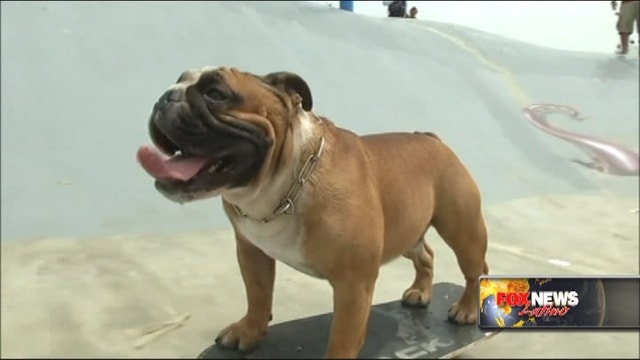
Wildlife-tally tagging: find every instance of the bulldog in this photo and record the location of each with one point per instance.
(298, 189)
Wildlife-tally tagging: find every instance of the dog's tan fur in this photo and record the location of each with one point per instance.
(371, 199)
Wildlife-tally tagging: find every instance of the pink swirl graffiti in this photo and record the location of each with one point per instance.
(606, 156)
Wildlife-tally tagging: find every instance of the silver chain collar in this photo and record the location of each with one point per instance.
(287, 205)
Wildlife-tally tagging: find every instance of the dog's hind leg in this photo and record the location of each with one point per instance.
(467, 237)
(419, 293)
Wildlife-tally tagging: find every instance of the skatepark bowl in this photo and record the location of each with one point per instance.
(92, 253)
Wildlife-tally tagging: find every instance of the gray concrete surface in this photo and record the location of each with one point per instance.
(90, 249)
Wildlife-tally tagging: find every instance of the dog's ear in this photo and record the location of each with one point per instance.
(290, 82)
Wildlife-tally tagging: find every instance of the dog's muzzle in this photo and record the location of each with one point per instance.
(197, 149)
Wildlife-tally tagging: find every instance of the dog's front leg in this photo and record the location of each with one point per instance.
(352, 296)
(258, 272)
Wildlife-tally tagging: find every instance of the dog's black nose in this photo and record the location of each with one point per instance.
(172, 95)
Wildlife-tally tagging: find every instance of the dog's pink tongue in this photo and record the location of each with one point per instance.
(163, 167)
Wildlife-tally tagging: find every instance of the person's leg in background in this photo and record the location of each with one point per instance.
(638, 24)
(628, 15)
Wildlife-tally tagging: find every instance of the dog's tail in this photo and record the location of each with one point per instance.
(428, 133)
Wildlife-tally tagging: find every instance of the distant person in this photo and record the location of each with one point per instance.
(413, 12)
(628, 14)
(397, 9)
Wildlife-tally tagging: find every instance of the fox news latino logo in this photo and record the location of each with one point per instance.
(540, 303)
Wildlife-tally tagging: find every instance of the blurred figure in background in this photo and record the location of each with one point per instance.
(396, 8)
(628, 14)
(413, 12)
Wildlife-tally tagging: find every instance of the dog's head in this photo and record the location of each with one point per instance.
(219, 129)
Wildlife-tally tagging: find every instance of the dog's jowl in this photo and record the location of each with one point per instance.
(298, 189)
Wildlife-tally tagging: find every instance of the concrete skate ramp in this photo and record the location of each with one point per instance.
(79, 80)
(78, 83)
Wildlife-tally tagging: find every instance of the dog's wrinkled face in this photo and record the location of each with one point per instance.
(218, 129)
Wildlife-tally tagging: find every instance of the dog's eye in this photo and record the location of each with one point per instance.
(216, 94)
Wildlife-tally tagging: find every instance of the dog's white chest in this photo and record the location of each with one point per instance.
(280, 238)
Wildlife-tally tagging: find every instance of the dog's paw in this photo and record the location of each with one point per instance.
(416, 298)
(462, 316)
(242, 336)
